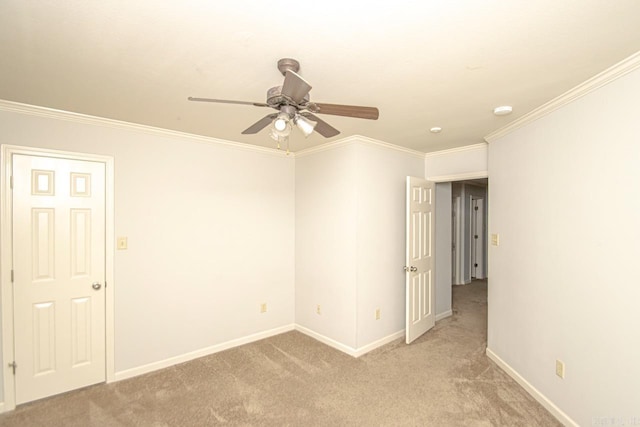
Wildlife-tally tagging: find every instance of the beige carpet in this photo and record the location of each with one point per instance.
(443, 379)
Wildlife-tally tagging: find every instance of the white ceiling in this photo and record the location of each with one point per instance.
(422, 63)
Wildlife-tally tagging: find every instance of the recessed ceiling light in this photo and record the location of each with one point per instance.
(503, 110)
(435, 129)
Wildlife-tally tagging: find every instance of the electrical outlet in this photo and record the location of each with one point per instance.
(318, 309)
(377, 314)
(560, 368)
(263, 307)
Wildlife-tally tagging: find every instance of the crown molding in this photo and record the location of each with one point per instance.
(607, 76)
(355, 139)
(480, 146)
(325, 147)
(389, 146)
(34, 110)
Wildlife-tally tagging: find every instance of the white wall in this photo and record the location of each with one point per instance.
(381, 239)
(326, 248)
(350, 237)
(565, 199)
(210, 229)
(457, 164)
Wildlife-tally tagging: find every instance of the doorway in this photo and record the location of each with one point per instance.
(57, 272)
(469, 230)
(453, 231)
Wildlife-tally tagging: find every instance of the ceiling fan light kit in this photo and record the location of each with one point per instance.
(294, 105)
(305, 125)
(281, 123)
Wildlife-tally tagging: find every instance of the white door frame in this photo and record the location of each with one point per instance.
(458, 243)
(6, 260)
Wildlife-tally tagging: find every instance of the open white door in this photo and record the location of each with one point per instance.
(420, 257)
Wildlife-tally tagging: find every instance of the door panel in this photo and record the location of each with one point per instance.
(42, 235)
(44, 326)
(420, 259)
(59, 251)
(80, 331)
(80, 243)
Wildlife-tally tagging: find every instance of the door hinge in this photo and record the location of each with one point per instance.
(11, 182)
(13, 365)
(11, 276)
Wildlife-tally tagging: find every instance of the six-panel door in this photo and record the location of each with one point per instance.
(58, 241)
(420, 258)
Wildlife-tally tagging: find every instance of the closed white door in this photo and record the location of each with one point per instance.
(420, 258)
(477, 244)
(59, 273)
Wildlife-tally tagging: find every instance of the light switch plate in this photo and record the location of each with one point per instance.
(122, 243)
(495, 239)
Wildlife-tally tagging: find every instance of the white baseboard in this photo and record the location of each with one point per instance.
(444, 315)
(534, 392)
(326, 340)
(161, 364)
(382, 341)
(347, 349)
(134, 372)
(140, 370)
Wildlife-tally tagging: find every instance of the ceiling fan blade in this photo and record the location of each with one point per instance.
(226, 101)
(323, 128)
(370, 113)
(295, 87)
(260, 124)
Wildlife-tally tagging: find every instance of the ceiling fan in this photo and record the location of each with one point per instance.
(294, 106)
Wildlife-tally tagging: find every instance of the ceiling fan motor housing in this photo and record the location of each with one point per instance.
(275, 99)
